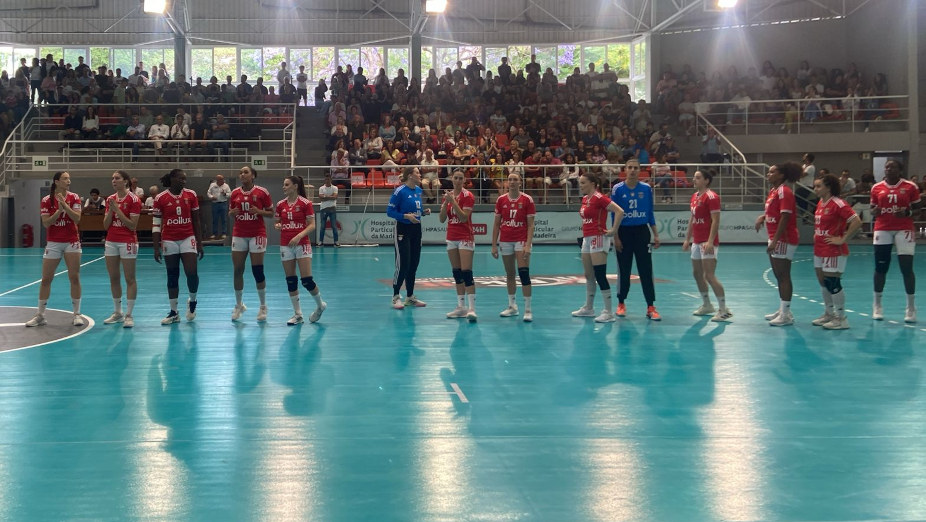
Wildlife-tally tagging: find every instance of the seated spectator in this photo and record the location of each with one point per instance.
(135, 133)
(180, 133)
(739, 108)
(220, 135)
(158, 134)
(847, 184)
(152, 193)
(373, 144)
(199, 134)
(662, 176)
(430, 176)
(340, 172)
(72, 125)
(95, 201)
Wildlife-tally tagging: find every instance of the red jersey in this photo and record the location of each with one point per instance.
(702, 206)
(830, 221)
(514, 213)
(458, 230)
(246, 223)
(894, 200)
(64, 230)
(176, 213)
(781, 201)
(130, 205)
(594, 212)
(293, 219)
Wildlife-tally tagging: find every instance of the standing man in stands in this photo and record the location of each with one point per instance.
(218, 193)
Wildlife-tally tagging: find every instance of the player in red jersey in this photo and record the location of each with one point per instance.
(295, 219)
(121, 248)
(176, 232)
(704, 242)
(456, 210)
(834, 223)
(781, 224)
(893, 201)
(60, 215)
(248, 205)
(596, 241)
(513, 235)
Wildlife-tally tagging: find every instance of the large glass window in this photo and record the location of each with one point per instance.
(618, 58)
(155, 56)
(427, 61)
(446, 57)
(273, 57)
(494, 57)
(397, 58)
(6, 60)
(322, 63)
(349, 57)
(638, 85)
(201, 64)
(71, 55)
(567, 59)
(546, 57)
(99, 56)
(224, 63)
(372, 60)
(251, 64)
(55, 52)
(593, 54)
(468, 52)
(518, 57)
(122, 59)
(19, 53)
(300, 57)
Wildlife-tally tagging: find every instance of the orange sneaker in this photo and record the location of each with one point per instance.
(621, 310)
(652, 314)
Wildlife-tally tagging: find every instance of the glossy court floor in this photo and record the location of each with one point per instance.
(377, 414)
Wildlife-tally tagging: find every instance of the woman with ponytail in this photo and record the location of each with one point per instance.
(295, 219)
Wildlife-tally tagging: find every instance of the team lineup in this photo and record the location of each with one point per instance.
(623, 219)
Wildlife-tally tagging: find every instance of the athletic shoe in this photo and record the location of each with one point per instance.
(294, 320)
(117, 317)
(37, 320)
(511, 311)
(823, 319)
(128, 322)
(773, 315)
(239, 309)
(877, 313)
(782, 320)
(621, 310)
(605, 317)
(723, 315)
(262, 313)
(584, 312)
(528, 317)
(172, 317)
(457, 313)
(705, 309)
(471, 316)
(414, 301)
(78, 320)
(191, 314)
(317, 314)
(397, 302)
(910, 316)
(652, 314)
(837, 324)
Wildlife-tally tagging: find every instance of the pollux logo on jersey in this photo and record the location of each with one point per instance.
(292, 226)
(698, 221)
(179, 221)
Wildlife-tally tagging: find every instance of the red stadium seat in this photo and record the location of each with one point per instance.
(358, 180)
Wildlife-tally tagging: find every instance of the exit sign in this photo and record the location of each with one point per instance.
(259, 162)
(39, 162)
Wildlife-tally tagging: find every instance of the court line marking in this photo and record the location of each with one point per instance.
(56, 275)
(90, 324)
(459, 392)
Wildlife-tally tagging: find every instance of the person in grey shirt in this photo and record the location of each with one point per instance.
(218, 193)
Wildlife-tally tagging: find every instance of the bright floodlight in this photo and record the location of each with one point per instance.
(155, 6)
(726, 4)
(435, 6)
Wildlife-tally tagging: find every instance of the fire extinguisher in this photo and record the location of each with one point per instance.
(28, 237)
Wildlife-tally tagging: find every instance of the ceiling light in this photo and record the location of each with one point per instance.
(435, 6)
(726, 4)
(155, 6)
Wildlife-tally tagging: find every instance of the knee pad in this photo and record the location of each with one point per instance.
(192, 282)
(601, 275)
(468, 278)
(309, 283)
(292, 283)
(173, 277)
(882, 258)
(258, 271)
(832, 284)
(525, 274)
(458, 276)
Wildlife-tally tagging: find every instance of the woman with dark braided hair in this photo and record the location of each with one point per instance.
(781, 224)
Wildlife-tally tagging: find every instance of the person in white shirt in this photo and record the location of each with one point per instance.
(152, 193)
(218, 194)
(327, 211)
(158, 133)
(283, 74)
(180, 133)
(302, 85)
(430, 176)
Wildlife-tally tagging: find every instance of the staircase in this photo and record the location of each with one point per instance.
(311, 140)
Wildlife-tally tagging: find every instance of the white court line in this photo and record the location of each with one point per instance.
(90, 324)
(56, 275)
(690, 295)
(459, 392)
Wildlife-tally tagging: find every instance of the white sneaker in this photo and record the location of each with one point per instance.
(471, 316)
(605, 317)
(723, 315)
(584, 312)
(704, 309)
(191, 312)
(837, 324)
(511, 311)
(782, 320)
(294, 320)
(172, 317)
(397, 302)
(910, 316)
(262, 313)
(414, 301)
(823, 319)
(528, 316)
(877, 313)
(78, 320)
(117, 317)
(773, 315)
(457, 313)
(37, 320)
(128, 322)
(239, 309)
(317, 314)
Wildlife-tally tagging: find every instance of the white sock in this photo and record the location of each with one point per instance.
(297, 308)
(606, 295)
(75, 304)
(461, 300)
(911, 304)
(527, 303)
(785, 307)
(239, 295)
(511, 301)
(722, 302)
(173, 305)
(590, 287)
(193, 296)
(827, 301)
(262, 295)
(839, 304)
(129, 306)
(317, 297)
(117, 305)
(706, 298)
(878, 298)
(42, 304)
(471, 300)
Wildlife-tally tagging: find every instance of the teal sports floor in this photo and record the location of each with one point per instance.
(377, 414)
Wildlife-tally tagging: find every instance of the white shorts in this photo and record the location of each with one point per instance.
(697, 252)
(507, 248)
(902, 239)
(121, 250)
(783, 251)
(254, 245)
(595, 244)
(831, 264)
(181, 246)
(55, 249)
(465, 244)
(288, 253)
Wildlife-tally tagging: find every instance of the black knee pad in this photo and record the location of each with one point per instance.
(832, 284)
(308, 283)
(458, 276)
(258, 271)
(292, 283)
(192, 282)
(882, 258)
(525, 274)
(601, 275)
(173, 277)
(468, 278)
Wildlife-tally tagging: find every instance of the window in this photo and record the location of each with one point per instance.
(322, 63)
(155, 56)
(618, 58)
(518, 57)
(639, 87)
(70, 55)
(397, 58)
(446, 57)
(546, 57)
(468, 52)
(427, 60)
(55, 52)
(494, 57)
(372, 60)
(251, 64)
(273, 57)
(122, 59)
(19, 54)
(300, 57)
(349, 57)
(593, 54)
(201, 64)
(6, 60)
(98, 56)
(567, 59)
(224, 63)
